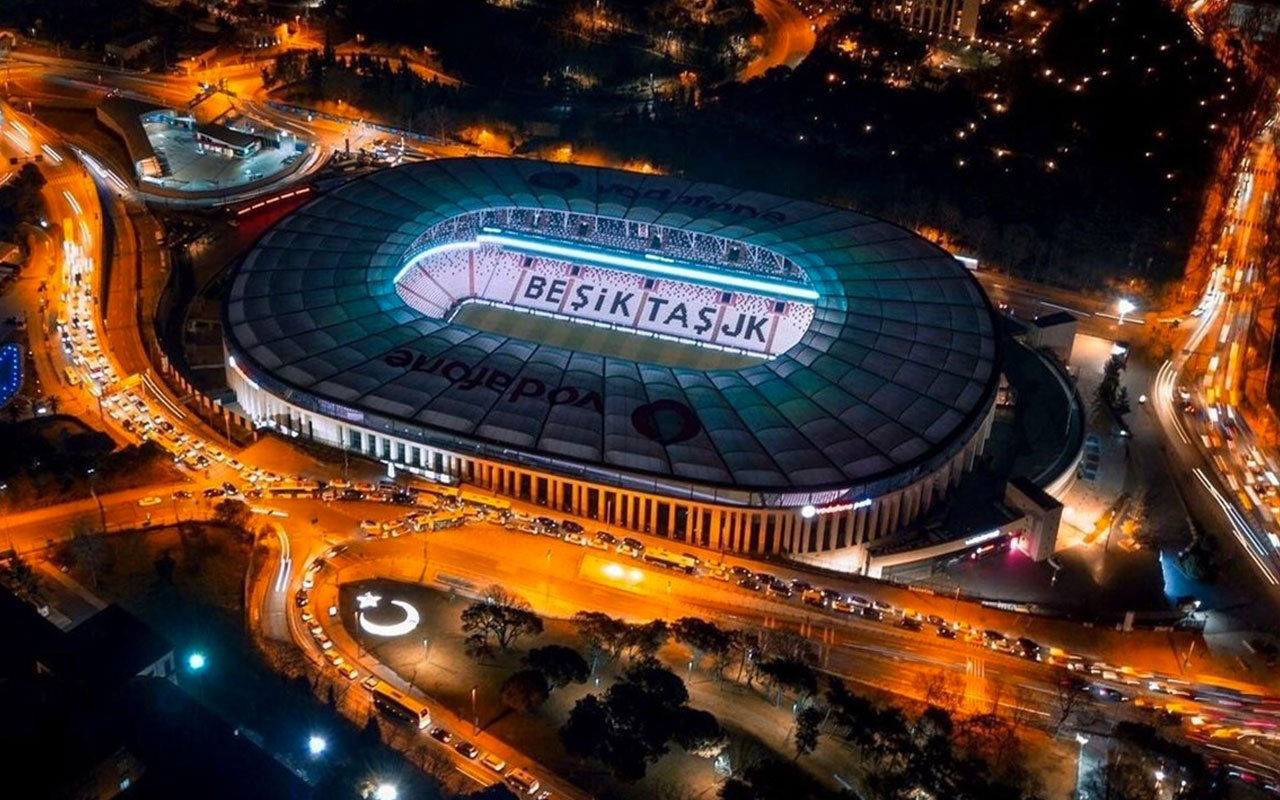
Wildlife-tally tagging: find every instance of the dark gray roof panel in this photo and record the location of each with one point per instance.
(895, 373)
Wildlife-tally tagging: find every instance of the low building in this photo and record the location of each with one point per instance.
(96, 712)
(1258, 20)
(227, 141)
(1041, 517)
(1053, 332)
(131, 46)
(125, 117)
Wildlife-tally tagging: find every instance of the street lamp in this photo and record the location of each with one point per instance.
(809, 512)
(316, 745)
(385, 791)
(196, 661)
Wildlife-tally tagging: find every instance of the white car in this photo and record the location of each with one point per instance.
(150, 500)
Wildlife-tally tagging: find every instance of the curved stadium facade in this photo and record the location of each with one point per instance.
(725, 367)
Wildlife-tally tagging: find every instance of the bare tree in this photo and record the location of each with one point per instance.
(1072, 693)
(944, 689)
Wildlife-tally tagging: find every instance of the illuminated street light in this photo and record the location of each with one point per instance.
(808, 512)
(316, 745)
(385, 791)
(196, 661)
(1126, 307)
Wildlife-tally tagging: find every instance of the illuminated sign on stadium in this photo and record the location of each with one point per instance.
(657, 309)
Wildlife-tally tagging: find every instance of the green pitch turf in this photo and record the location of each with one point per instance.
(599, 341)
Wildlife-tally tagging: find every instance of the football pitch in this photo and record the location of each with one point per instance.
(600, 341)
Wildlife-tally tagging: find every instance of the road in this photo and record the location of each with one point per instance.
(1199, 393)
(788, 38)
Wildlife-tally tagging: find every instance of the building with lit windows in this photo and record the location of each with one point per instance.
(724, 367)
(954, 18)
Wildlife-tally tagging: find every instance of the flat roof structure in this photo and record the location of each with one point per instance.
(895, 374)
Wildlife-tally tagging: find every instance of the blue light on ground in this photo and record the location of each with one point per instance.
(10, 372)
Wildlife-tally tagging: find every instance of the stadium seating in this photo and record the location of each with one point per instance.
(436, 285)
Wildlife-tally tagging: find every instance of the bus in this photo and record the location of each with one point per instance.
(665, 558)
(496, 503)
(398, 705)
(444, 519)
(291, 490)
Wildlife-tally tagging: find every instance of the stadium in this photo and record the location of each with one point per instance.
(728, 368)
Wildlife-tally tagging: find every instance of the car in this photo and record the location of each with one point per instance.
(440, 735)
(324, 641)
(234, 464)
(315, 629)
(606, 538)
(230, 489)
(910, 624)
(871, 612)
(1028, 648)
(751, 584)
(844, 607)
(369, 526)
(213, 491)
(308, 582)
(946, 632)
(370, 682)
(467, 749)
(332, 656)
(801, 585)
(301, 599)
(547, 524)
(599, 543)
(881, 605)
(522, 782)
(631, 547)
(739, 571)
(832, 594)
(779, 589)
(815, 598)
(306, 617)
(493, 762)
(935, 620)
(150, 500)
(182, 494)
(349, 672)
(719, 573)
(766, 578)
(569, 526)
(576, 538)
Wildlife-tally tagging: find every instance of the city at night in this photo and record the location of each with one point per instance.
(640, 399)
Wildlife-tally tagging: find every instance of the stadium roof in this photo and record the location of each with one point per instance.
(893, 377)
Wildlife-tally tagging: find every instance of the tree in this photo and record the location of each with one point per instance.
(663, 686)
(21, 578)
(603, 635)
(808, 722)
(645, 640)
(789, 673)
(629, 727)
(232, 513)
(88, 551)
(588, 728)
(559, 664)
(1120, 779)
(498, 618)
(1072, 692)
(524, 691)
(698, 732)
(701, 637)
